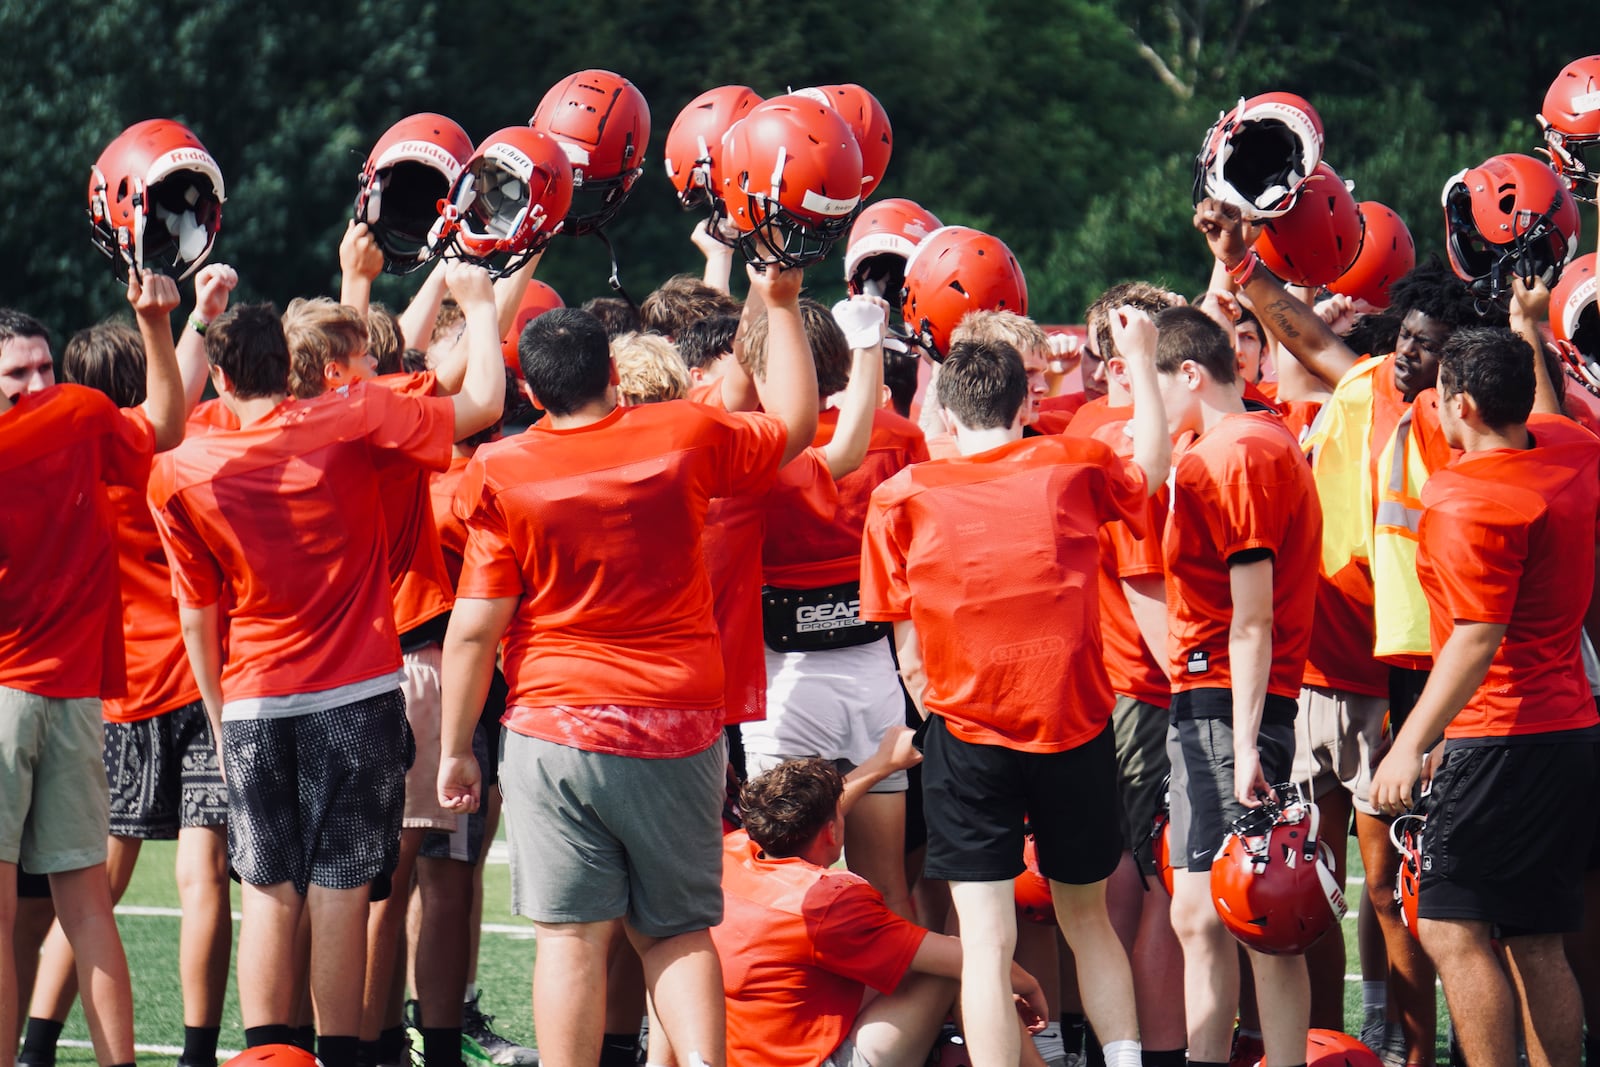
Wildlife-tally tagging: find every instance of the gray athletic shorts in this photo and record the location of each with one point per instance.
(595, 837)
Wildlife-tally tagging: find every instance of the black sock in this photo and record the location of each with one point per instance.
(39, 1042)
(304, 1036)
(367, 1054)
(337, 1051)
(268, 1035)
(1207, 1063)
(1591, 1047)
(1093, 1054)
(391, 1045)
(1163, 1057)
(200, 1046)
(618, 1050)
(1073, 1027)
(441, 1046)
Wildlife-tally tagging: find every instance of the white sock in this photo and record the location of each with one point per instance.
(1048, 1042)
(472, 992)
(1121, 1053)
(1374, 997)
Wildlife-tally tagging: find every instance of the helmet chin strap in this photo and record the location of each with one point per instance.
(616, 275)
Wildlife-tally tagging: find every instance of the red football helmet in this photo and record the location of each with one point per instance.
(791, 180)
(155, 199)
(1570, 120)
(881, 241)
(1032, 889)
(1273, 882)
(410, 170)
(1330, 1048)
(509, 201)
(1509, 216)
(953, 271)
(868, 121)
(1258, 155)
(535, 302)
(603, 122)
(1406, 835)
(694, 144)
(1315, 241)
(274, 1056)
(1161, 847)
(1387, 253)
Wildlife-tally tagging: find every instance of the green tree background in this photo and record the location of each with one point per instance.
(1067, 127)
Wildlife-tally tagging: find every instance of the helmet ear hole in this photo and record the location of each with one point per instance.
(122, 190)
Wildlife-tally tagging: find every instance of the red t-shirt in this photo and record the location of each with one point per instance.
(596, 530)
(994, 558)
(799, 946)
(419, 582)
(1056, 412)
(1508, 536)
(1131, 665)
(1242, 485)
(809, 545)
(159, 678)
(452, 531)
(280, 521)
(1095, 414)
(60, 608)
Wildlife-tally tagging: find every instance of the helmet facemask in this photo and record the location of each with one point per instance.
(1491, 267)
(493, 221)
(1572, 158)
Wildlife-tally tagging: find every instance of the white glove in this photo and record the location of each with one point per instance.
(862, 318)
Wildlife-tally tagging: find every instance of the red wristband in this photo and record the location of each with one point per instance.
(1241, 271)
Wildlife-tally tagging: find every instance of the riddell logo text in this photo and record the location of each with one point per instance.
(810, 618)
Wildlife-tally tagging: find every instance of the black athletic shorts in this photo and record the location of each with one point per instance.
(975, 798)
(1509, 831)
(163, 775)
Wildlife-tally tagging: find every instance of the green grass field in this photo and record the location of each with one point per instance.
(149, 925)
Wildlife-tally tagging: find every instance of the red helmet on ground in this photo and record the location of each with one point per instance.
(868, 121)
(538, 299)
(274, 1056)
(791, 180)
(1387, 253)
(1570, 120)
(1331, 1048)
(1258, 155)
(603, 122)
(155, 199)
(1405, 833)
(694, 144)
(1509, 216)
(881, 241)
(953, 271)
(409, 171)
(511, 198)
(1315, 241)
(1032, 889)
(1272, 881)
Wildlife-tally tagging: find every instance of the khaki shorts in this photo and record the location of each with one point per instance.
(1142, 770)
(425, 713)
(55, 811)
(1338, 742)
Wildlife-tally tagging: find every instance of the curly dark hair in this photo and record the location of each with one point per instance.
(1434, 290)
(786, 807)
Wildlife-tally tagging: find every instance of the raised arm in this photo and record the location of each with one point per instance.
(482, 398)
(417, 322)
(154, 297)
(789, 391)
(1135, 335)
(862, 318)
(719, 257)
(1306, 337)
(211, 288)
(360, 263)
(1530, 306)
(738, 388)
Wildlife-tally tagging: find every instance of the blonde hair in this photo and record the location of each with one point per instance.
(319, 331)
(1001, 327)
(649, 369)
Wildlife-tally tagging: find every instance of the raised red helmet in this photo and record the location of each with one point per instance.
(538, 299)
(1509, 216)
(1570, 120)
(274, 1056)
(1406, 835)
(155, 199)
(882, 240)
(1032, 889)
(791, 180)
(1317, 239)
(868, 121)
(1331, 1048)
(1272, 882)
(1259, 154)
(1387, 253)
(409, 171)
(694, 143)
(511, 198)
(603, 123)
(1575, 322)
(953, 271)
